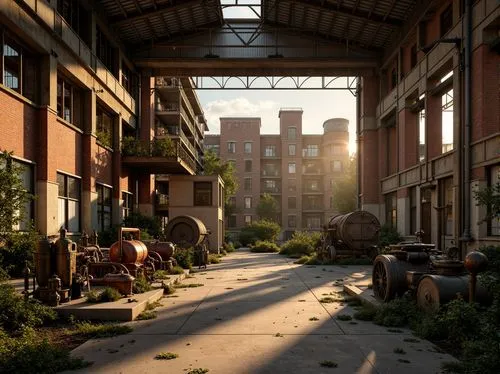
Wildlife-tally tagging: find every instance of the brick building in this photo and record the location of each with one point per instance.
(297, 169)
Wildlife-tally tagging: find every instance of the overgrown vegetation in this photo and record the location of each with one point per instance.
(388, 235)
(168, 289)
(99, 330)
(259, 230)
(176, 270)
(302, 243)
(264, 246)
(102, 296)
(344, 190)
(141, 285)
(166, 356)
(214, 259)
(150, 228)
(268, 207)
(229, 246)
(213, 165)
(184, 257)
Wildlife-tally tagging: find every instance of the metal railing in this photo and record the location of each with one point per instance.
(162, 200)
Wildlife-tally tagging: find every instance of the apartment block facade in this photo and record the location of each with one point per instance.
(297, 169)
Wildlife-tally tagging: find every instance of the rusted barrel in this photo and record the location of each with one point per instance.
(185, 231)
(356, 231)
(132, 252)
(164, 249)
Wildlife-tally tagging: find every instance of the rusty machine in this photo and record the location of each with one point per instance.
(432, 276)
(353, 234)
(190, 232)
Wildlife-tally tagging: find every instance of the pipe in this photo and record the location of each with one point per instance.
(358, 144)
(466, 236)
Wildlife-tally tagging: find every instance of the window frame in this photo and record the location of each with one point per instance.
(292, 150)
(272, 149)
(247, 184)
(66, 177)
(199, 190)
(292, 165)
(247, 202)
(245, 150)
(128, 204)
(101, 205)
(294, 129)
(248, 166)
(231, 147)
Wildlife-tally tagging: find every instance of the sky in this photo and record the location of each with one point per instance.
(318, 106)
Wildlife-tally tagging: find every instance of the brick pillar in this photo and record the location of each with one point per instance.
(146, 133)
(369, 146)
(116, 171)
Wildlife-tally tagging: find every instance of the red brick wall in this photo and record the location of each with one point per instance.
(18, 127)
(102, 165)
(408, 136)
(66, 146)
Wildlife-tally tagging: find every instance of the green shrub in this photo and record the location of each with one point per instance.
(302, 260)
(397, 313)
(106, 295)
(176, 270)
(366, 312)
(237, 244)
(163, 147)
(17, 250)
(150, 225)
(301, 243)
(388, 235)
(213, 259)
(29, 353)
(184, 257)
(166, 356)
(141, 285)
(168, 289)
(228, 247)
(16, 312)
(262, 246)
(104, 137)
(99, 330)
(259, 230)
(161, 274)
(133, 147)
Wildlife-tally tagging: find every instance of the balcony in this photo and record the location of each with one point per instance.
(159, 156)
(161, 202)
(312, 191)
(272, 191)
(270, 173)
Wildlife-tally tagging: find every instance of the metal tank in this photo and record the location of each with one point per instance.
(128, 251)
(186, 231)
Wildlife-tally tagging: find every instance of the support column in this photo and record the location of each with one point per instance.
(117, 167)
(146, 133)
(46, 183)
(369, 146)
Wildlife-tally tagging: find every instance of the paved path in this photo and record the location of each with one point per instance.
(253, 316)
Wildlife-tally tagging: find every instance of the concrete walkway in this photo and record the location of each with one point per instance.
(256, 313)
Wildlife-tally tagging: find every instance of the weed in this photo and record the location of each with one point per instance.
(166, 356)
(146, 314)
(265, 247)
(314, 319)
(189, 285)
(328, 364)
(278, 335)
(344, 317)
(399, 351)
(367, 312)
(141, 285)
(110, 294)
(229, 288)
(99, 330)
(198, 371)
(161, 274)
(213, 259)
(302, 301)
(242, 279)
(353, 323)
(176, 270)
(168, 289)
(327, 300)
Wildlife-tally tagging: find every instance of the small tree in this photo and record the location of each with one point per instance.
(345, 197)
(213, 165)
(267, 207)
(490, 198)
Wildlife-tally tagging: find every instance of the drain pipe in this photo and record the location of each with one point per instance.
(358, 144)
(466, 236)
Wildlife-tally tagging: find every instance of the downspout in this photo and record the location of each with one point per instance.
(466, 236)
(358, 144)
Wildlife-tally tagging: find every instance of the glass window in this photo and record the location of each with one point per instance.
(231, 147)
(202, 193)
(248, 184)
(68, 202)
(311, 150)
(292, 185)
(292, 202)
(313, 222)
(292, 149)
(104, 122)
(248, 219)
(291, 167)
(12, 65)
(248, 202)
(446, 20)
(248, 147)
(68, 101)
(270, 186)
(248, 166)
(292, 133)
(447, 121)
(104, 207)
(391, 209)
(292, 221)
(494, 180)
(335, 165)
(446, 205)
(270, 151)
(105, 51)
(413, 210)
(128, 203)
(421, 135)
(231, 221)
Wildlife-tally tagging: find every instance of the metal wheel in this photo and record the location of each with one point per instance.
(380, 281)
(428, 295)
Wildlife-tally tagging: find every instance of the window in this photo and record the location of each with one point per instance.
(292, 133)
(313, 222)
(291, 167)
(447, 121)
(68, 101)
(270, 151)
(270, 170)
(311, 185)
(311, 150)
(248, 166)
(76, 16)
(248, 184)
(20, 69)
(493, 225)
(248, 219)
(335, 166)
(214, 148)
(292, 149)
(421, 135)
(292, 202)
(313, 202)
(446, 20)
(231, 147)
(104, 123)
(292, 185)
(248, 147)
(292, 221)
(128, 203)
(104, 207)
(69, 202)
(270, 186)
(231, 221)
(446, 205)
(391, 210)
(105, 51)
(202, 193)
(248, 202)
(27, 179)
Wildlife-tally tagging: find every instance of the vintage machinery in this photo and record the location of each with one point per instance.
(162, 253)
(353, 234)
(434, 277)
(122, 282)
(131, 253)
(189, 231)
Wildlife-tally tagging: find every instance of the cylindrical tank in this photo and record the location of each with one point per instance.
(434, 290)
(43, 265)
(65, 253)
(356, 231)
(132, 252)
(186, 231)
(164, 249)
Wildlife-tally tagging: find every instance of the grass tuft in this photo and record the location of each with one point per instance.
(99, 330)
(328, 364)
(166, 356)
(399, 351)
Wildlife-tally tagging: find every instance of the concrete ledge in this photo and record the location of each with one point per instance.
(365, 295)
